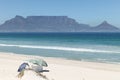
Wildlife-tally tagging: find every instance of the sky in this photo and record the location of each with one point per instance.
(91, 12)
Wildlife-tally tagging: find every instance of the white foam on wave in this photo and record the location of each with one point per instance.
(61, 48)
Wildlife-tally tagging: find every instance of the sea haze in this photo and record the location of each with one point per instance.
(99, 47)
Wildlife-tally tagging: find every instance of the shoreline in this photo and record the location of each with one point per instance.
(60, 69)
(67, 61)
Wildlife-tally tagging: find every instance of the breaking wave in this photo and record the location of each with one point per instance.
(60, 48)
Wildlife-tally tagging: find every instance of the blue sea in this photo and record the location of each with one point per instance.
(93, 47)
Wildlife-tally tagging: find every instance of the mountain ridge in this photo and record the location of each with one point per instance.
(52, 24)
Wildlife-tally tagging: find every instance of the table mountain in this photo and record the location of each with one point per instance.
(51, 24)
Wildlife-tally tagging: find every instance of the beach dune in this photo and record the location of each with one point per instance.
(58, 69)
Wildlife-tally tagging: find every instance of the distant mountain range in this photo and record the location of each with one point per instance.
(52, 24)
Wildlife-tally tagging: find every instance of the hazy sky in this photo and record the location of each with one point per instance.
(91, 12)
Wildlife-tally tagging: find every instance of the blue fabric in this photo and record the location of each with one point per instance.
(22, 66)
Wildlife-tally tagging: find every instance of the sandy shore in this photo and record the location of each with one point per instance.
(59, 69)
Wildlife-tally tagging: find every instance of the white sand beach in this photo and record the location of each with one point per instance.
(59, 69)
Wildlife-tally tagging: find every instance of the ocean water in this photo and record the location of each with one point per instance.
(94, 47)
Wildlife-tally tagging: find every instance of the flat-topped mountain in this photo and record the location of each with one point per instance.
(51, 24)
